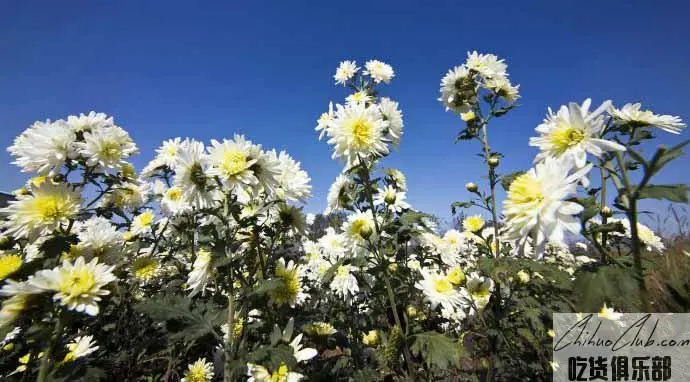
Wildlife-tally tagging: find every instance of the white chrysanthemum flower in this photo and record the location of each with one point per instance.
(359, 97)
(98, 237)
(391, 113)
(479, 289)
(398, 178)
(258, 373)
(344, 283)
(232, 160)
(293, 182)
(127, 196)
(358, 227)
(336, 193)
(346, 70)
(392, 199)
(300, 354)
(473, 223)
(78, 286)
(86, 123)
(487, 65)
(503, 87)
(537, 200)
(291, 291)
(649, 239)
(168, 151)
(107, 148)
(146, 268)
(80, 347)
(358, 130)
(457, 87)
(44, 147)
(192, 175)
(199, 371)
(309, 218)
(45, 210)
(631, 114)
(201, 272)
(172, 201)
(438, 290)
(143, 222)
(379, 71)
(572, 133)
(334, 245)
(324, 121)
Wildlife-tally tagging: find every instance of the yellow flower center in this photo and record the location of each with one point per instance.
(473, 223)
(145, 268)
(525, 189)
(145, 219)
(196, 373)
(287, 292)
(280, 375)
(174, 194)
(455, 276)
(171, 151)
(442, 285)
(234, 162)
(79, 282)
(362, 132)
(50, 207)
(566, 137)
(110, 151)
(9, 264)
(361, 227)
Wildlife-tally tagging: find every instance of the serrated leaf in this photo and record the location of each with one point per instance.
(672, 192)
(168, 307)
(436, 349)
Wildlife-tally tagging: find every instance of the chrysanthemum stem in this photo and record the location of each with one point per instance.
(228, 345)
(48, 351)
(604, 217)
(492, 186)
(630, 202)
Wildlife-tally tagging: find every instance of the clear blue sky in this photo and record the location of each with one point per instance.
(167, 69)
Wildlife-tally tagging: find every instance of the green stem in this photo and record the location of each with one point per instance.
(227, 371)
(603, 216)
(492, 186)
(630, 203)
(48, 351)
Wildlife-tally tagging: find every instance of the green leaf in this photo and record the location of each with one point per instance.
(456, 205)
(672, 192)
(436, 349)
(663, 156)
(169, 307)
(609, 227)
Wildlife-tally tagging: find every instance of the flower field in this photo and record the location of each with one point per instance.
(203, 266)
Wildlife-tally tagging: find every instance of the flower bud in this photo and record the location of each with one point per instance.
(471, 187)
(392, 267)
(411, 311)
(493, 161)
(365, 232)
(606, 212)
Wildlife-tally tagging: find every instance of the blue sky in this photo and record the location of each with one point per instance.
(264, 69)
